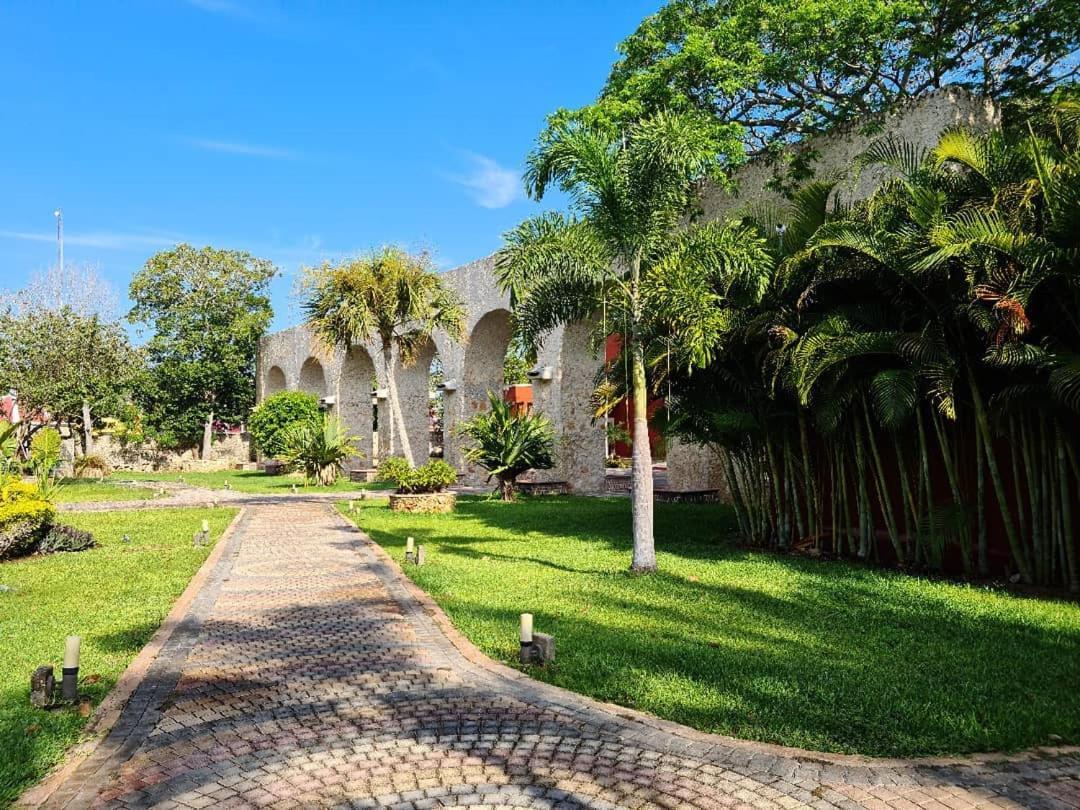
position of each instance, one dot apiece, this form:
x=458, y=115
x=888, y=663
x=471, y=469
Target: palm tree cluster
x=906, y=386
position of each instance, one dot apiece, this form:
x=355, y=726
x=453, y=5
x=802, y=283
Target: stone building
x=294, y=359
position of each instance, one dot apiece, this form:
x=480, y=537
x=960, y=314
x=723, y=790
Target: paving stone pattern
x=307, y=674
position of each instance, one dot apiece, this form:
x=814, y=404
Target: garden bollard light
x=69, y=683
x=525, y=633
x=410, y=549
x=294, y=489
x=227, y=484
x=352, y=506
x=206, y=527
x=421, y=555
x=126, y=539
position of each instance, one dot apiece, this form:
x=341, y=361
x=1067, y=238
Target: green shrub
x=24, y=515
x=278, y=414
x=393, y=469
x=435, y=476
x=59, y=537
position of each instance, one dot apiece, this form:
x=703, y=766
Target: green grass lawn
x=114, y=596
x=254, y=482
x=84, y=490
x=826, y=656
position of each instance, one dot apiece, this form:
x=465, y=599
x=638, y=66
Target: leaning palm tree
x=389, y=295
x=628, y=258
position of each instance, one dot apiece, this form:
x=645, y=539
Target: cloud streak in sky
x=241, y=148
x=489, y=184
x=105, y=240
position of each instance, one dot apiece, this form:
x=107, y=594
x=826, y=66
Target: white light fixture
x=382, y=393
x=544, y=373
x=449, y=386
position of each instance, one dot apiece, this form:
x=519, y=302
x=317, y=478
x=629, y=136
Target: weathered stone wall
x=225, y=451
x=294, y=359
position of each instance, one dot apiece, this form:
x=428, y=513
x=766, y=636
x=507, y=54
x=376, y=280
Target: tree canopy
x=206, y=310
x=764, y=73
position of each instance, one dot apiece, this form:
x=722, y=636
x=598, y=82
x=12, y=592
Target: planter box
x=428, y=503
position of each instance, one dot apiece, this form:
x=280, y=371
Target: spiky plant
x=507, y=443
x=319, y=447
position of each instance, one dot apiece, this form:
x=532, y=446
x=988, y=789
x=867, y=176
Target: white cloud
x=489, y=184
x=239, y=148
x=221, y=7
x=108, y=240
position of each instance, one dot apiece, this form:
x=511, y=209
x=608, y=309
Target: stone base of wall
x=429, y=503
x=696, y=468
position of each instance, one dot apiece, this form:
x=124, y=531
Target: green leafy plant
x=275, y=416
x=320, y=447
x=393, y=469
x=435, y=476
x=60, y=537
x=506, y=443
x=44, y=459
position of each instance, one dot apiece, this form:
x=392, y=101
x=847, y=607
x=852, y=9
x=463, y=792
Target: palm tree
x=319, y=447
x=628, y=254
x=389, y=295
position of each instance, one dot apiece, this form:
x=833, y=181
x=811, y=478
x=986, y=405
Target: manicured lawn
x=825, y=656
x=83, y=490
x=114, y=596
x=252, y=481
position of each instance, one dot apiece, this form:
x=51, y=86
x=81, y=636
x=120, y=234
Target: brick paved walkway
x=308, y=674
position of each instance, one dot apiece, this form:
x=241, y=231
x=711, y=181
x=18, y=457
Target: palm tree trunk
x=397, y=420
x=644, y=557
x=207, y=436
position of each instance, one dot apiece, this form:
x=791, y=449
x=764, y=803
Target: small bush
x=319, y=447
x=59, y=538
x=435, y=476
x=393, y=469
x=276, y=416
x=92, y=466
x=24, y=515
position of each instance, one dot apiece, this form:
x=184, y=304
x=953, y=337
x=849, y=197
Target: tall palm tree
x=389, y=295
x=627, y=251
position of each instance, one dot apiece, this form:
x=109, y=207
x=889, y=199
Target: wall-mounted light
x=543, y=373
x=382, y=393
x=327, y=402
x=449, y=386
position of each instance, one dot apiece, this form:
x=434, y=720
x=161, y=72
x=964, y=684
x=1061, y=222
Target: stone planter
x=428, y=503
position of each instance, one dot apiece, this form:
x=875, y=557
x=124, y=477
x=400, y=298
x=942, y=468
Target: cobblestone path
x=308, y=674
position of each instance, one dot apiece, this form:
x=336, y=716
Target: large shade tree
x=627, y=258
x=205, y=309
x=762, y=73
x=390, y=296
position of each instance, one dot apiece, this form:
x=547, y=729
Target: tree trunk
x=88, y=430
x=207, y=436
x=397, y=420
x=644, y=558
x=506, y=488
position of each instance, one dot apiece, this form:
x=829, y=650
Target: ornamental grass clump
x=435, y=476
x=507, y=443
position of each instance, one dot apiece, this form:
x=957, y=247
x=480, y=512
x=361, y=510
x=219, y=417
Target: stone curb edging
x=112, y=706
x=561, y=695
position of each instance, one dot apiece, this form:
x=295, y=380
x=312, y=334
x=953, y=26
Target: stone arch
x=482, y=371
x=581, y=448
x=313, y=378
x=275, y=381
x=354, y=402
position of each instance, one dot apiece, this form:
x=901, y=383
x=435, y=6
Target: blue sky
x=296, y=131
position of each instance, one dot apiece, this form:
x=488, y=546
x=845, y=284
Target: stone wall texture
x=294, y=359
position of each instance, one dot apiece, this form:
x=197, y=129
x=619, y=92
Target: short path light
x=69, y=683
x=352, y=506
x=421, y=555
x=536, y=648
x=410, y=550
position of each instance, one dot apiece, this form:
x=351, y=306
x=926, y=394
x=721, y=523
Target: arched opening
x=354, y=402
x=485, y=357
x=275, y=381
x=582, y=445
x=436, y=408
x=312, y=377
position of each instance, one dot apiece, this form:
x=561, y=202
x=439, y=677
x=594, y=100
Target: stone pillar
x=693, y=467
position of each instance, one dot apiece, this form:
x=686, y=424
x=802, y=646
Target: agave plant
x=506, y=443
x=320, y=447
